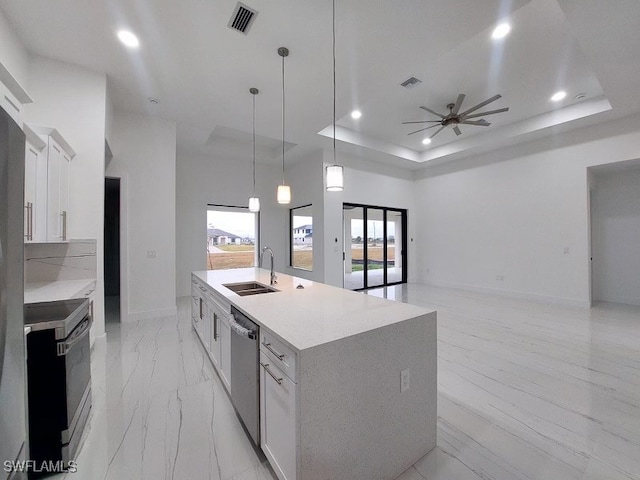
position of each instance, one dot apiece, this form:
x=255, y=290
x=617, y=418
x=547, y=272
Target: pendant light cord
x=283, y=120
x=254, y=145
x=334, y=82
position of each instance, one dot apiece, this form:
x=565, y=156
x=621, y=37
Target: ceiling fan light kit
x=454, y=118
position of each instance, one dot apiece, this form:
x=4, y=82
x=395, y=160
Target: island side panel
x=354, y=421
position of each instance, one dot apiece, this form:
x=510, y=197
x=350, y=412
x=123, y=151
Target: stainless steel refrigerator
x=12, y=356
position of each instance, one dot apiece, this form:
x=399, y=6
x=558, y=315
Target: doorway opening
x=232, y=237
x=112, y=250
x=375, y=240
x=614, y=220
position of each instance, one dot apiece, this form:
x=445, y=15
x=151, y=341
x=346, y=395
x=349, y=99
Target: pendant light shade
x=284, y=191
x=284, y=194
x=335, y=172
x=335, y=178
x=254, y=202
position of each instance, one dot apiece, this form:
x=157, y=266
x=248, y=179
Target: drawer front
x=279, y=354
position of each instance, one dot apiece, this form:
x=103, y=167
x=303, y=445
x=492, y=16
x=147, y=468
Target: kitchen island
x=349, y=388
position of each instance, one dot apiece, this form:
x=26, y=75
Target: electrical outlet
x=405, y=380
x=151, y=254
x=500, y=278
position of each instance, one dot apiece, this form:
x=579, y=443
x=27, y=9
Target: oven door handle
x=78, y=333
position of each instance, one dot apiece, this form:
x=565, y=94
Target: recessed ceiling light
x=129, y=39
x=501, y=31
x=426, y=141
x=356, y=114
x=556, y=97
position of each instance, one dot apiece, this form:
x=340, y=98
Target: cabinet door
x=30, y=186
x=214, y=344
x=278, y=419
x=225, y=350
x=54, y=224
x=65, y=168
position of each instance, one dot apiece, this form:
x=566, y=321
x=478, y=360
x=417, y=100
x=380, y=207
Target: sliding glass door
x=375, y=246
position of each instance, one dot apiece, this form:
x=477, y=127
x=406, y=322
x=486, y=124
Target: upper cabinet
x=47, y=173
x=12, y=96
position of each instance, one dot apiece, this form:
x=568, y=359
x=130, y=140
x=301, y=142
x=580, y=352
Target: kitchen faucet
x=273, y=277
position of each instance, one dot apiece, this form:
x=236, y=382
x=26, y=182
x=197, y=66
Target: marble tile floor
x=525, y=391
x=531, y=391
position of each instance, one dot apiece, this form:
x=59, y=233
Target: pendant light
x=284, y=191
x=254, y=202
x=335, y=172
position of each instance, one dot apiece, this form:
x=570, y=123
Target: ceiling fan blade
x=458, y=104
x=422, y=129
x=481, y=104
x=433, y=112
x=477, y=123
x=457, y=130
x=423, y=121
x=438, y=131
x=476, y=115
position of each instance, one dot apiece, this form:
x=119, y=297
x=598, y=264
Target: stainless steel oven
x=58, y=377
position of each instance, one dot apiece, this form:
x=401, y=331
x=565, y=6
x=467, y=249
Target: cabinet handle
x=64, y=225
x=215, y=327
x=268, y=347
x=29, y=208
x=266, y=367
x=200, y=308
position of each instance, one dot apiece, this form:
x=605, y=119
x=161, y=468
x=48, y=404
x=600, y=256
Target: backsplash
x=47, y=262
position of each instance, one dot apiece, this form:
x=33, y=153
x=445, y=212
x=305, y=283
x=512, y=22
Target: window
x=231, y=237
x=302, y=237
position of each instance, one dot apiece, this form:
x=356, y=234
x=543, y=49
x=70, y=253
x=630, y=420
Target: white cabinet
x=35, y=187
x=220, y=347
x=214, y=339
x=210, y=314
x=225, y=351
x=47, y=172
x=277, y=418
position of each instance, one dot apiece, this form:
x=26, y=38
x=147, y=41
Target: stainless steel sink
x=249, y=288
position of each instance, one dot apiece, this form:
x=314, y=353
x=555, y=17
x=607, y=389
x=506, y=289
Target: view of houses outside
x=231, y=239
x=302, y=238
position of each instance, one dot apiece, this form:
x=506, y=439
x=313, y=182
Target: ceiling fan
x=454, y=118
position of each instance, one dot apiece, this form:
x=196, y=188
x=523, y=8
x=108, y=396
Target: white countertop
x=57, y=290
x=312, y=316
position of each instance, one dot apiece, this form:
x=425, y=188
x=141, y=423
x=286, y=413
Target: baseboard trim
x=535, y=297
x=145, y=315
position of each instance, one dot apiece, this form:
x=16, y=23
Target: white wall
x=202, y=180
x=144, y=157
x=307, y=188
x=72, y=99
x=615, y=213
x=367, y=183
x=13, y=55
x=516, y=217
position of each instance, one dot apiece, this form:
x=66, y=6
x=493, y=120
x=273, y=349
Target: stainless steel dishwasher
x=245, y=375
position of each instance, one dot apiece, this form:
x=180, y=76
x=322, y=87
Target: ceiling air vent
x=411, y=82
x=242, y=18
